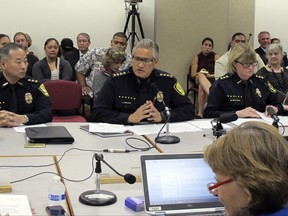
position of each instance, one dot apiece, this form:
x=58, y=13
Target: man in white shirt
x=221, y=63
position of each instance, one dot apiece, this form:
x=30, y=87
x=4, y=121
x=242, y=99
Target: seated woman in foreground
x=202, y=70
x=250, y=164
x=241, y=91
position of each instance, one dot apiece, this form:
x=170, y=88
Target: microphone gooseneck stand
x=102, y=197
x=167, y=138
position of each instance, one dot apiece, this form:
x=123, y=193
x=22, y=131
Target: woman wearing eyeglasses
x=240, y=91
x=275, y=73
x=250, y=164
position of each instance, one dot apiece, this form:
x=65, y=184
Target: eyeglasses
x=145, y=61
x=247, y=65
x=214, y=185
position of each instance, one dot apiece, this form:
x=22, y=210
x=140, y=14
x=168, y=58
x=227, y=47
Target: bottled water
x=56, y=192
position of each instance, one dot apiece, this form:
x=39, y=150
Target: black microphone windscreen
x=228, y=117
x=271, y=111
x=129, y=178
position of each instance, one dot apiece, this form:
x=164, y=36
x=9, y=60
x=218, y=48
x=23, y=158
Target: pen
x=116, y=150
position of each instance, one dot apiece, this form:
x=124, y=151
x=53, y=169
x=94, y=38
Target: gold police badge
x=28, y=98
x=258, y=92
x=179, y=89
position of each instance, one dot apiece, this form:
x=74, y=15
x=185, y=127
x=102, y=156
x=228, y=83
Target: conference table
x=76, y=162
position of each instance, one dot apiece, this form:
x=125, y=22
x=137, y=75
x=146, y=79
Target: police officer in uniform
x=241, y=92
x=141, y=92
x=22, y=99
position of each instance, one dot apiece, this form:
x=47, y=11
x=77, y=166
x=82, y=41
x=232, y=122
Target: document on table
x=105, y=128
x=21, y=129
x=205, y=124
x=14, y=205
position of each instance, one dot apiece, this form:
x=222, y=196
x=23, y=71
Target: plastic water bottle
x=56, y=192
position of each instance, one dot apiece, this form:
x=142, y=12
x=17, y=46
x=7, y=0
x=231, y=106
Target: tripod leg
x=126, y=24
x=140, y=26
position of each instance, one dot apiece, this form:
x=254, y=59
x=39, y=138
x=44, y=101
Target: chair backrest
x=65, y=95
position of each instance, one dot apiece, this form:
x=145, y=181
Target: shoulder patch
x=119, y=74
x=179, y=88
x=43, y=90
x=271, y=88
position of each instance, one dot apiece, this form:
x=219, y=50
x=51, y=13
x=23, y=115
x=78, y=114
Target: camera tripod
x=133, y=12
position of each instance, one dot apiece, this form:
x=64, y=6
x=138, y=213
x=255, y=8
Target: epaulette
x=163, y=74
x=225, y=76
x=119, y=74
x=33, y=80
x=259, y=76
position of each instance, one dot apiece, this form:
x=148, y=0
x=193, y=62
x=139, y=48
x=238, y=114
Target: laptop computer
x=176, y=184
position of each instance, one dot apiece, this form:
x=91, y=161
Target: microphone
x=102, y=197
x=227, y=117
x=274, y=116
x=167, y=138
x=217, y=127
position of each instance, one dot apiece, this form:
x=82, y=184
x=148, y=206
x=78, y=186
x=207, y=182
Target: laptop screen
x=177, y=182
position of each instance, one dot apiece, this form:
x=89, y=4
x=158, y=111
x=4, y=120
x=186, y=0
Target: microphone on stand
x=217, y=127
x=102, y=197
x=167, y=138
x=274, y=116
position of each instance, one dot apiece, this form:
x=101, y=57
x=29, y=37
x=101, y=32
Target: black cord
x=71, y=180
x=138, y=148
x=167, y=120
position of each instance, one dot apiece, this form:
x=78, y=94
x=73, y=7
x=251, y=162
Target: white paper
x=21, y=129
x=205, y=124
x=106, y=128
x=179, y=127
x=15, y=205
x=144, y=129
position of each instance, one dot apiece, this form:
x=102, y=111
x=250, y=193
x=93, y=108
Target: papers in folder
x=14, y=205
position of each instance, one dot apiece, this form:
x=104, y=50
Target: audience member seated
x=264, y=39
x=66, y=47
x=250, y=164
x=23, y=100
x=202, y=70
x=141, y=92
x=285, y=59
x=91, y=63
x=20, y=38
x=4, y=39
x=241, y=91
x=274, y=73
x=52, y=67
x=221, y=66
x=83, y=43
x=111, y=62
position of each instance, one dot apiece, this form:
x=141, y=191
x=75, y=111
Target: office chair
x=191, y=86
x=66, y=97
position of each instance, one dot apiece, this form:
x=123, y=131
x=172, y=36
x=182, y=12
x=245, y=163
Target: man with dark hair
x=90, y=63
x=221, y=63
x=20, y=38
x=22, y=100
x=4, y=39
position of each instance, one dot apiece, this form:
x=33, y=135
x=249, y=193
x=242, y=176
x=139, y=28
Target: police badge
x=28, y=98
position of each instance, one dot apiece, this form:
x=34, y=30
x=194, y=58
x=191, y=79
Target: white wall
x=42, y=19
x=272, y=16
